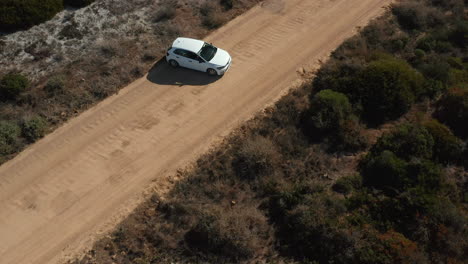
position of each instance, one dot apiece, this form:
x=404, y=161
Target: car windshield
x=208, y=51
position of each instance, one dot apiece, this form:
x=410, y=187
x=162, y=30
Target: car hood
x=221, y=57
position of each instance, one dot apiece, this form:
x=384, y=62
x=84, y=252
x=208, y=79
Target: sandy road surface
x=63, y=191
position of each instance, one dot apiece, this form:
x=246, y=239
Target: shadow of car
x=163, y=73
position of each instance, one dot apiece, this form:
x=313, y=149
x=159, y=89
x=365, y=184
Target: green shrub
x=452, y=110
x=55, y=85
x=385, y=171
x=12, y=85
x=447, y=148
x=436, y=70
x=78, y=3
x=9, y=133
x=382, y=91
x=345, y=185
x=424, y=175
x=406, y=141
x=34, y=128
x=459, y=35
x=419, y=53
x=388, y=88
x=410, y=15
x=20, y=14
x=328, y=110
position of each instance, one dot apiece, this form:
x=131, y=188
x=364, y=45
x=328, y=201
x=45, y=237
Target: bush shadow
x=163, y=73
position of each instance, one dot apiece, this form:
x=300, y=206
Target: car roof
x=193, y=45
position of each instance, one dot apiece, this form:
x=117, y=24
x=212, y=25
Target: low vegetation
x=22, y=14
x=364, y=164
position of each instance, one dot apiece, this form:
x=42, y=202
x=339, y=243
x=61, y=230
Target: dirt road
x=76, y=183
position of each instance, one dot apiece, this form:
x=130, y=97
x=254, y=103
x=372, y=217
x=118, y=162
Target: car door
x=182, y=57
x=195, y=61
x=200, y=64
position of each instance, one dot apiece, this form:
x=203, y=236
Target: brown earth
x=71, y=187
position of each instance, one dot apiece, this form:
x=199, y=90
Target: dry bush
x=164, y=13
x=256, y=157
x=237, y=233
x=211, y=15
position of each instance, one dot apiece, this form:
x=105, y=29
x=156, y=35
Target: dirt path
x=64, y=191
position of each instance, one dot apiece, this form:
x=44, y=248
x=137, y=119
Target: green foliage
x=33, y=128
x=406, y=141
x=399, y=161
x=459, y=35
x=328, y=110
x=452, y=110
x=20, y=14
x=447, y=148
x=78, y=3
x=55, y=85
x=9, y=133
x=411, y=15
x=330, y=116
x=12, y=85
x=388, y=88
x=385, y=171
x=382, y=91
x=345, y=185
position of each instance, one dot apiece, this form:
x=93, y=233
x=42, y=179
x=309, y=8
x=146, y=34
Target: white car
x=198, y=55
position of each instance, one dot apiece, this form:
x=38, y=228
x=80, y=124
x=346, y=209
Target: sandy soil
x=71, y=187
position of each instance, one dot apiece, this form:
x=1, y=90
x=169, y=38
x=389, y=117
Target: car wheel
x=174, y=63
x=211, y=72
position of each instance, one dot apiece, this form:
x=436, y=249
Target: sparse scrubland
x=366, y=163
x=54, y=70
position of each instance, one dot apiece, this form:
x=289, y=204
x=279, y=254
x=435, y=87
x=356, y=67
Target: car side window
x=180, y=52
x=192, y=55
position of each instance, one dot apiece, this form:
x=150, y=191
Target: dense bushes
x=405, y=158
x=452, y=110
x=77, y=3
x=328, y=111
x=406, y=141
x=331, y=115
x=388, y=88
x=9, y=133
x=12, y=85
x=20, y=14
x=33, y=128
x=447, y=148
x=382, y=91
